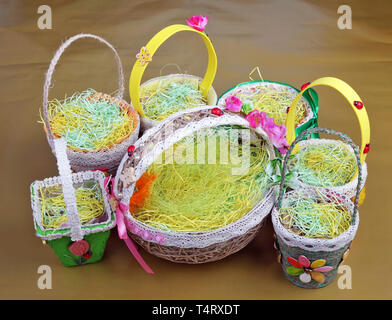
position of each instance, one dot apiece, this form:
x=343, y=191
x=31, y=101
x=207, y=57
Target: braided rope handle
x=353, y=99
x=65, y=172
x=152, y=46
x=307, y=133
x=52, y=66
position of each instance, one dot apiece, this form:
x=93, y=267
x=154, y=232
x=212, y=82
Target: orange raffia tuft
x=143, y=186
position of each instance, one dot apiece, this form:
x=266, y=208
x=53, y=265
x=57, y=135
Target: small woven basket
x=311, y=253
x=89, y=239
x=82, y=160
x=309, y=101
x=348, y=189
x=188, y=247
x=145, y=56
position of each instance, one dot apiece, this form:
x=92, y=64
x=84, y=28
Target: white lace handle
x=52, y=66
x=64, y=167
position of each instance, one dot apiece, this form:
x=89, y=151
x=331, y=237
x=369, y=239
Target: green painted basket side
x=97, y=242
x=333, y=259
x=311, y=97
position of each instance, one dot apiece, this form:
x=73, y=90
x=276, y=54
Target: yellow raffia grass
x=202, y=197
x=90, y=121
x=325, y=165
x=312, y=218
x=272, y=101
x=164, y=97
x=89, y=202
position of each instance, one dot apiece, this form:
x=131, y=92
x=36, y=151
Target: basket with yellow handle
x=314, y=227
x=162, y=96
x=327, y=164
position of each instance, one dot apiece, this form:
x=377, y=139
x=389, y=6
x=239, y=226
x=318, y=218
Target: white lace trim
x=60, y=146
x=207, y=238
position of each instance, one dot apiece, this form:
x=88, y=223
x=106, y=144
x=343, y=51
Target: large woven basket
x=188, y=247
x=304, y=252
x=82, y=160
x=309, y=101
x=348, y=189
x=205, y=84
x=91, y=236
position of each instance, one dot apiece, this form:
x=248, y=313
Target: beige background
x=292, y=41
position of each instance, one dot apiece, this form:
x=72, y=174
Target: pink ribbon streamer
x=122, y=229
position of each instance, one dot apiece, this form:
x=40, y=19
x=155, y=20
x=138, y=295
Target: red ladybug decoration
x=358, y=105
x=217, y=111
x=131, y=149
x=367, y=148
x=305, y=85
x=87, y=255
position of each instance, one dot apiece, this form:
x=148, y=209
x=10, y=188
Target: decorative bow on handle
x=119, y=210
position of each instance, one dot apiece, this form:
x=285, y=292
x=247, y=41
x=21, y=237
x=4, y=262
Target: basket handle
x=350, y=95
x=152, y=46
x=64, y=167
x=305, y=134
x=52, y=66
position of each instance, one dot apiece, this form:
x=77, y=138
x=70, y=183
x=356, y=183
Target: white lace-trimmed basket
x=82, y=160
x=348, y=189
x=308, y=102
x=91, y=237
x=145, y=57
x=188, y=247
x=291, y=246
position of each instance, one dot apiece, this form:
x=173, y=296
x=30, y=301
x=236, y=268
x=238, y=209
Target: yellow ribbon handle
x=152, y=46
x=353, y=99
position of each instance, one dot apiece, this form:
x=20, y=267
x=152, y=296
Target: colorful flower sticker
x=307, y=271
x=144, y=56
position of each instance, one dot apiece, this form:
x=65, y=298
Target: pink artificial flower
x=255, y=118
x=277, y=134
x=233, y=104
x=197, y=22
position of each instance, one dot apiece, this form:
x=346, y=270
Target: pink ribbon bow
x=121, y=226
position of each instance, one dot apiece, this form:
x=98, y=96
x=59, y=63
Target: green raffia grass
x=314, y=218
x=163, y=97
x=90, y=120
x=325, y=165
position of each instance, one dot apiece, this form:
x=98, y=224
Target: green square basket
x=74, y=243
